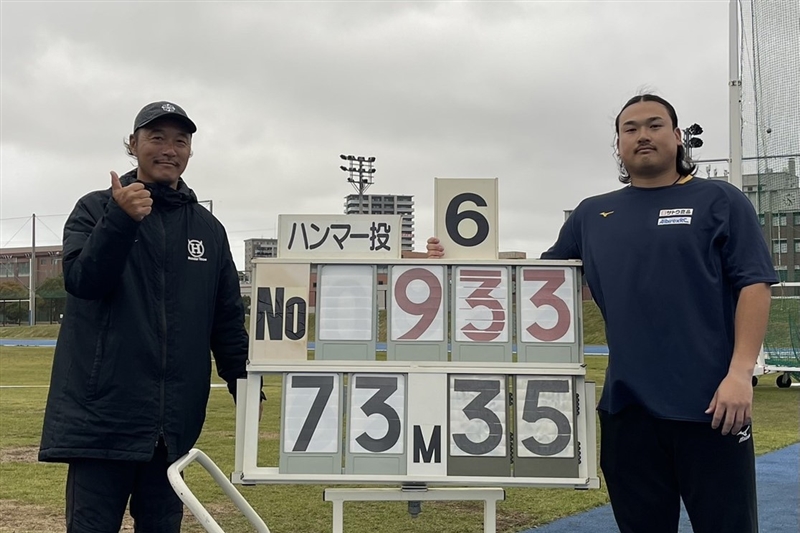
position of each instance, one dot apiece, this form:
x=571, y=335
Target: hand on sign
x=134, y=199
x=732, y=403
x=435, y=249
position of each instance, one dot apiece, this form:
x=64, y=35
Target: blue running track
x=778, y=482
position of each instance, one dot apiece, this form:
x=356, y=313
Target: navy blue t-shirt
x=665, y=265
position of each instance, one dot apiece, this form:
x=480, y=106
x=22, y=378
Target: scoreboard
x=461, y=371
x=482, y=383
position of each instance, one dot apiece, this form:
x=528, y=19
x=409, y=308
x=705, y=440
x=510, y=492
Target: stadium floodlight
x=691, y=139
x=695, y=142
x=359, y=173
x=695, y=129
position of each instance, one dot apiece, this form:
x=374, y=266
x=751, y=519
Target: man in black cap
x=152, y=289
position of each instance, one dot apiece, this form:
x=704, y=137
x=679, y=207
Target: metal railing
x=194, y=505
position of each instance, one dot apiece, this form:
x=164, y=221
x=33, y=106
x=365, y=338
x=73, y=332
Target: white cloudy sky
x=526, y=92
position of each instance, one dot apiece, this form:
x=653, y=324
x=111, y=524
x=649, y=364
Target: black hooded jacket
x=148, y=302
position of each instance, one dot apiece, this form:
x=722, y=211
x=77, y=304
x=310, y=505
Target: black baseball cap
x=156, y=110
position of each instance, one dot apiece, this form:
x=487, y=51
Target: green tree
x=51, y=298
x=12, y=308
x=12, y=290
x=52, y=288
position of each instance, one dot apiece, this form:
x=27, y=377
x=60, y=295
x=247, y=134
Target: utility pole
x=734, y=96
x=32, y=274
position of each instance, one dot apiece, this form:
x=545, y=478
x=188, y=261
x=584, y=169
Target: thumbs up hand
x=134, y=199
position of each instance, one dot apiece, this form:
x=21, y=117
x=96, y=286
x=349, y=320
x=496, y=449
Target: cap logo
x=169, y=108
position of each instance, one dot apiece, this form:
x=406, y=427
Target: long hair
x=683, y=164
x=127, y=146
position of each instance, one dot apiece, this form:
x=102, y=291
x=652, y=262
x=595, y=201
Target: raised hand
x=134, y=199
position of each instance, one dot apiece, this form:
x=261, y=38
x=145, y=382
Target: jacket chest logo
x=196, y=250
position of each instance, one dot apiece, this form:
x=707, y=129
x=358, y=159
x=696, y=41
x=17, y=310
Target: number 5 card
x=465, y=214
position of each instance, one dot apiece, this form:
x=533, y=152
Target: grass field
x=783, y=329
x=32, y=500
x=593, y=329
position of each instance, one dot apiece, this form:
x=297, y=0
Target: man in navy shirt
x=682, y=275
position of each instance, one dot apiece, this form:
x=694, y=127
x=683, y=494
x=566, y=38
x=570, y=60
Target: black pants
x=649, y=464
x=98, y=491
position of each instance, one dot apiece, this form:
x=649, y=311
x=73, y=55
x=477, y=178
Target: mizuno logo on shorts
x=744, y=434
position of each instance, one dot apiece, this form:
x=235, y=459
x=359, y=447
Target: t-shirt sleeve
x=745, y=256
x=566, y=246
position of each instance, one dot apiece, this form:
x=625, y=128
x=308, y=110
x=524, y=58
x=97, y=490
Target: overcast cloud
x=526, y=92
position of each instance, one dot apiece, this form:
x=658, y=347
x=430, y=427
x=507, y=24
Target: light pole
x=360, y=171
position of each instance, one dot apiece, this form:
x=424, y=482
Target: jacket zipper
x=163, y=336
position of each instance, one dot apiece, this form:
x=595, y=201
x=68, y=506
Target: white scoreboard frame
x=583, y=423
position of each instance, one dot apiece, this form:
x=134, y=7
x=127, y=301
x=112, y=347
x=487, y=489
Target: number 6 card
x=465, y=214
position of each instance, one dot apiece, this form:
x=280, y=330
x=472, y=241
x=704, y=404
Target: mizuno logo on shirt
x=605, y=214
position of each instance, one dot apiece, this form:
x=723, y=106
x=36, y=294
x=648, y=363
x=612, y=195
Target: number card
x=427, y=427
x=340, y=236
x=417, y=318
x=548, y=315
x=310, y=419
x=478, y=429
x=465, y=211
x=346, y=312
x=376, y=433
x=545, y=435
x=477, y=415
x=280, y=304
x=481, y=314
x=544, y=425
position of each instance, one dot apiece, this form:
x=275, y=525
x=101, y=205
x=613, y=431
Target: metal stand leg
x=338, y=516
x=489, y=496
x=490, y=516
